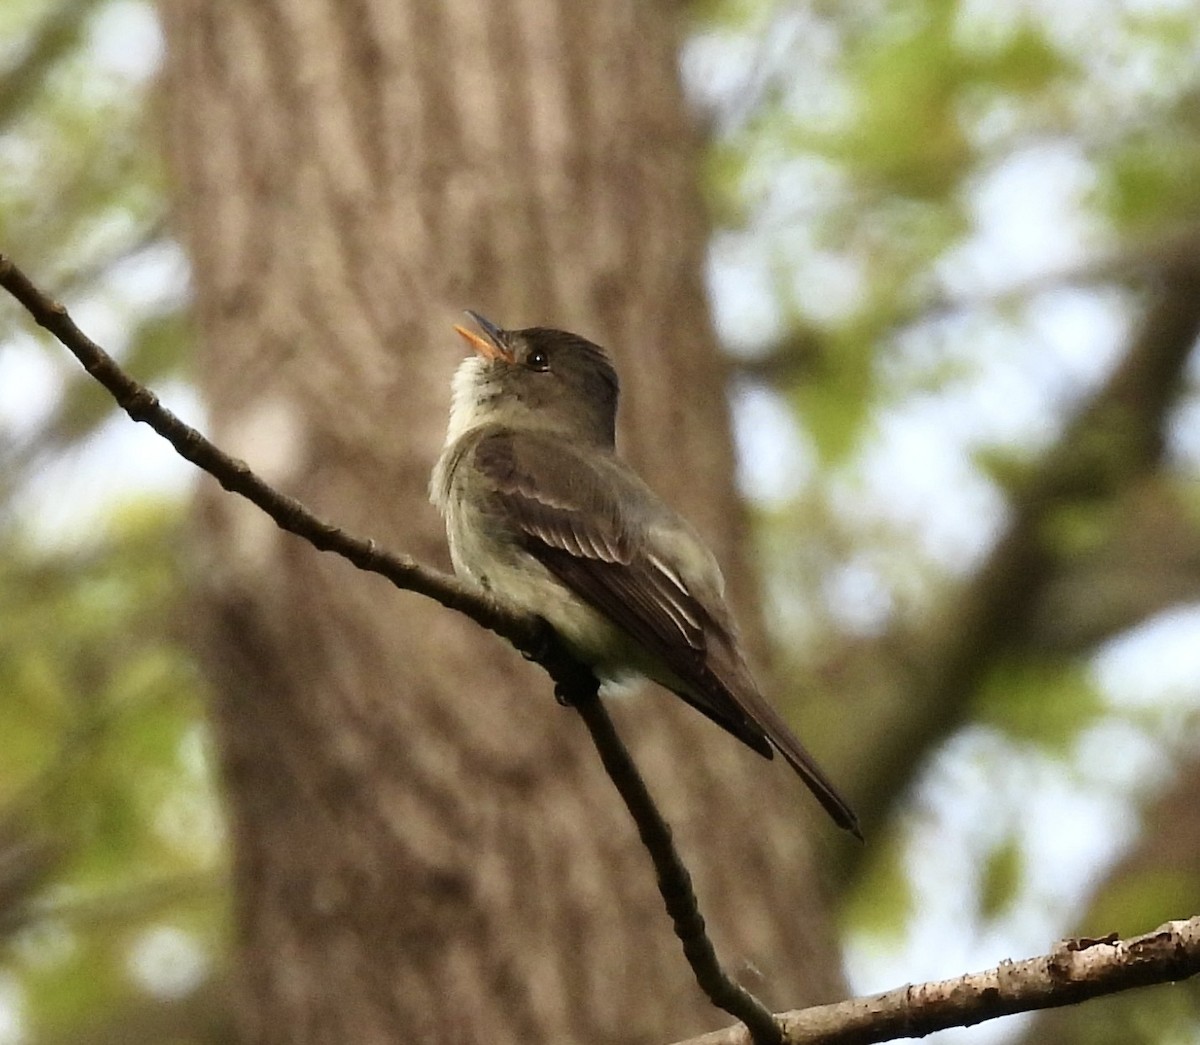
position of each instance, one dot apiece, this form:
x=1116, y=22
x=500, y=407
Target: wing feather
x=571, y=522
x=569, y=519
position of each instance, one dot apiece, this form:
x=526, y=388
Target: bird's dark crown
x=564, y=350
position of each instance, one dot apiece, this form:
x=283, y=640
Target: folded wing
x=587, y=527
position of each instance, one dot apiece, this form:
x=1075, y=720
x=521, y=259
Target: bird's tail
x=764, y=730
x=796, y=755
x=729, y=696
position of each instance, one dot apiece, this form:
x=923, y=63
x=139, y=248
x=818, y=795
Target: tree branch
x=674, y=882
x=1114, y=440
x=235, y=476
x=803, y=347
x=575, y=684
x=1074, y=971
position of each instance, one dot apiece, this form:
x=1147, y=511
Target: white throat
x=465, y=413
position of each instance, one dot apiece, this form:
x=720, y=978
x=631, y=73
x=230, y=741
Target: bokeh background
x=955, y=268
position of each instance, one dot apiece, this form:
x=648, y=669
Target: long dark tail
x=759, y=726
x=725, y=691
x=796, y=755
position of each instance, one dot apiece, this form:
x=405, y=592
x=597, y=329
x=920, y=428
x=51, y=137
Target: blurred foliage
x=1039, y=700
x=947, y=221
x=106, y=761
x=1003, y=874
x=884, y=902
x=1163, y=1015
x=944, y=219
x=1138, y=900
x=112, y=852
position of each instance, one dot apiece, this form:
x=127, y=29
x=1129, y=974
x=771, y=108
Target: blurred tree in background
x=422, y=849
x=955, y=270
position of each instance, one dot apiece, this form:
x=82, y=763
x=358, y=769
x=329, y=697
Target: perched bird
x=542, y=513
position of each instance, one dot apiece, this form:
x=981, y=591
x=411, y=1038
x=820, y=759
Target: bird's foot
x=571, y=677
x=544, y=646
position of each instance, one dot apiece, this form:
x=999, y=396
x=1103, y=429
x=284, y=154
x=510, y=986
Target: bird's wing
x=573, y=519
x=570, y=518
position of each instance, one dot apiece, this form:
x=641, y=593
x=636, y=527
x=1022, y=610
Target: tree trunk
x=425, y=846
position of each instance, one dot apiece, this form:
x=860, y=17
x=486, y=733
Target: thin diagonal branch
x=674, y=882
x=802, y=349
x=235, y=476
x=574, y=683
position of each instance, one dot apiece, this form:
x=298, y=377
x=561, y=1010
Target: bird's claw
x=543, y=645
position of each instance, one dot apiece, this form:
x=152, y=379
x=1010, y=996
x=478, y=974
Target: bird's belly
x=514, y=576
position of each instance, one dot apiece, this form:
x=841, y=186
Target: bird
x=543, y=515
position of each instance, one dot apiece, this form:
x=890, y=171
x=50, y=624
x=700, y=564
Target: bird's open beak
x=490, y=346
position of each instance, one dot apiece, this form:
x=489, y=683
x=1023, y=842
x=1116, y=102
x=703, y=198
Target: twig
x=289, y=514
x=574, y=683
x=580, y=690
x=1074, y=971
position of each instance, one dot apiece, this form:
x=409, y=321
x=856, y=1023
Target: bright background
x=936, y=227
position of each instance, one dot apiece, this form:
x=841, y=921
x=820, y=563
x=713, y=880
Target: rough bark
x=425, y=847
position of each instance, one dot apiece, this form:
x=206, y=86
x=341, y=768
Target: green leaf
x=882, y=903
x=1001, y=879
x=1045, y=702
x=1154, y=179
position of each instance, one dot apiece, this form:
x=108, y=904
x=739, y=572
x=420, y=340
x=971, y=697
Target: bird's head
x=538, y=378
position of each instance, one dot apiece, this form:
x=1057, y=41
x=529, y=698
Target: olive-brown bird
x=542, y=513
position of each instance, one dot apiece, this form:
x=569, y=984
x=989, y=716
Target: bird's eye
x=538, y=360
